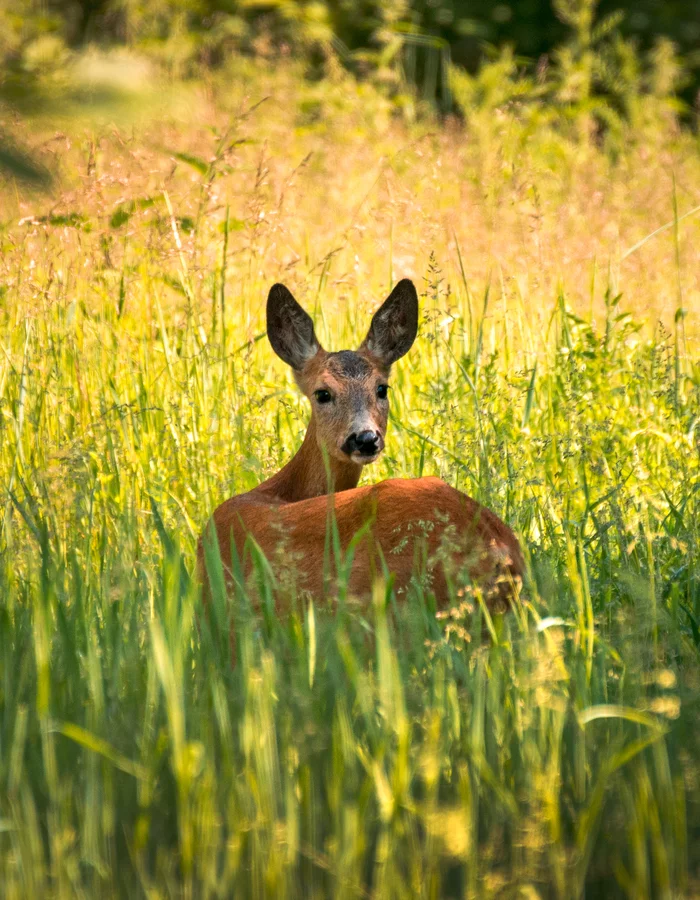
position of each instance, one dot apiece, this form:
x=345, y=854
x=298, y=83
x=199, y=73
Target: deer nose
x=366, y=443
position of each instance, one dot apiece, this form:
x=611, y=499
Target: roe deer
x=408, y=520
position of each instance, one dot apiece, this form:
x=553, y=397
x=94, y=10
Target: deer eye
x=323, y=396
x=382, y=391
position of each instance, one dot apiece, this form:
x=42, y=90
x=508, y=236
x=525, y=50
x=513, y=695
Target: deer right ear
x=394, y=325
x=289, y=328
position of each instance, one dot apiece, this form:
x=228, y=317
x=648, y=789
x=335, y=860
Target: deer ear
x=394, y=325
x=289, y=328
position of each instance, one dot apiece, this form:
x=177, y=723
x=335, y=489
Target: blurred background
x=600, y=55
x=366, y=35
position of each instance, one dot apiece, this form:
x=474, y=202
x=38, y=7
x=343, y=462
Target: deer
x=395, y=527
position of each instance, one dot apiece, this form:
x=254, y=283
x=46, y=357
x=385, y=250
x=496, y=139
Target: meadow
x=374, y=749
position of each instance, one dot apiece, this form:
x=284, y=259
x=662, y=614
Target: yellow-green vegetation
x=353, y=750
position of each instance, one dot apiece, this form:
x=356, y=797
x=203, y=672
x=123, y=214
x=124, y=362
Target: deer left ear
x=290, y=329
x=394, y=325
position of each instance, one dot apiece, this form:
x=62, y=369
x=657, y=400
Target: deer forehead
x=347, y=364
x=345, y=370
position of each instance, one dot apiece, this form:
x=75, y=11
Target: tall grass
x=353, y=750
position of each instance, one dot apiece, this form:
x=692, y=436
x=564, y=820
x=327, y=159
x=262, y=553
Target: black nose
x=365, y=443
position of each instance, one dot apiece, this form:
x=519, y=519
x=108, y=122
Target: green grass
x=354, y=750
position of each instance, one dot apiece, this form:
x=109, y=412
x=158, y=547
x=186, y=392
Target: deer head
x=348, y=389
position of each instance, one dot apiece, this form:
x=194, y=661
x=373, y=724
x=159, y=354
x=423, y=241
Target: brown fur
x=409, y=519
x=407, y=516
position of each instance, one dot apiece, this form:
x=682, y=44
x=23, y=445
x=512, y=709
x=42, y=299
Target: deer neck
x=307, y=474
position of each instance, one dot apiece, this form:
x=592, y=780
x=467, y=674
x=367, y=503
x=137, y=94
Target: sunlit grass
x=372, y=749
